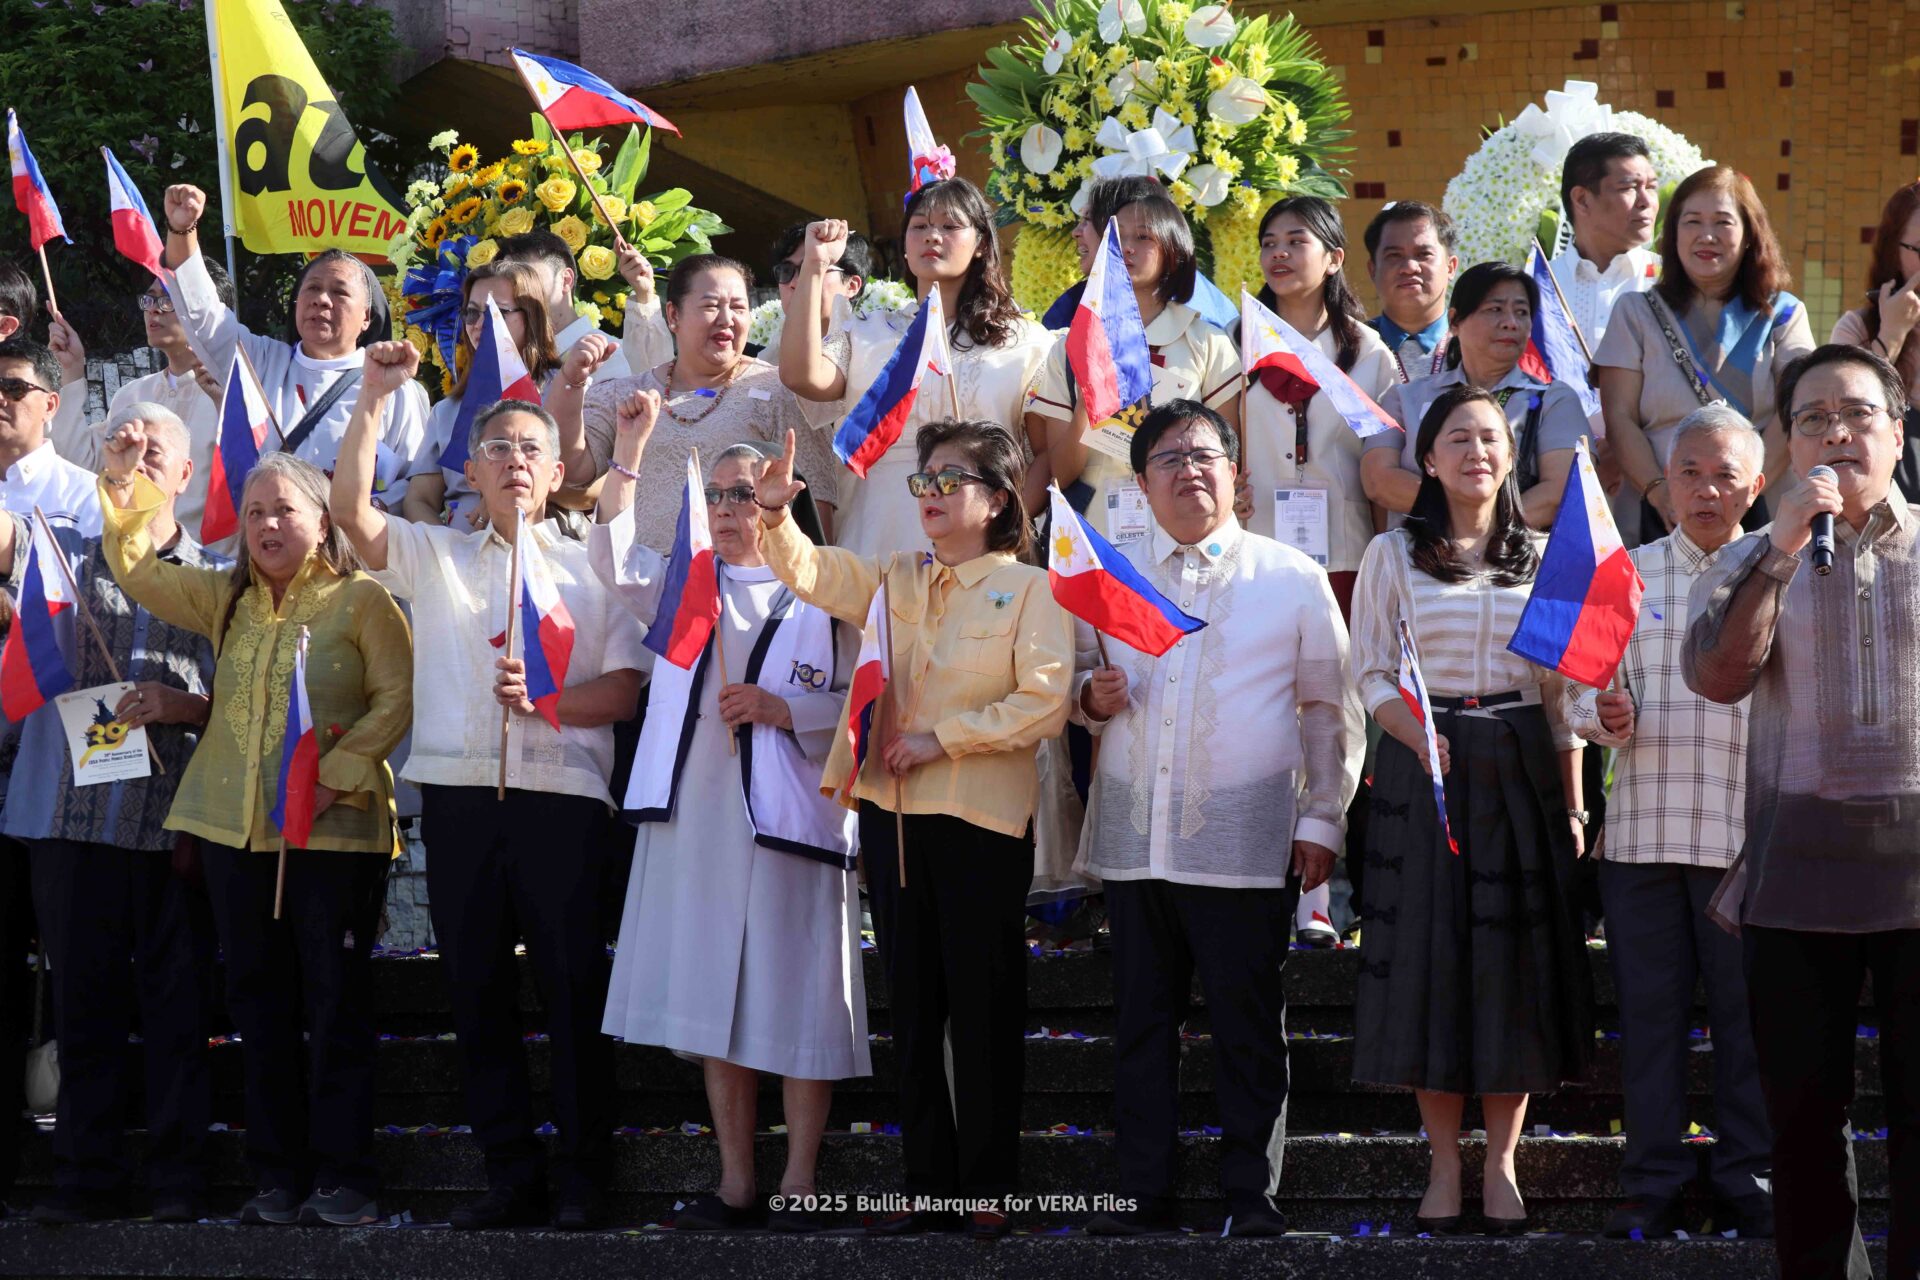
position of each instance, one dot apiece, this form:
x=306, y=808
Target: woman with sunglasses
x=948, y=236
x=442, y=494
x=981, y=658
x=712, y=395
x=740, y=942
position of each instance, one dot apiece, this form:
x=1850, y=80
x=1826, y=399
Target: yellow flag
x=293, y=177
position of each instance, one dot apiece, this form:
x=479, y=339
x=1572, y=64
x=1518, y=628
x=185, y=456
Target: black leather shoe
x=1750, y=1215
x=1253, y=1218
x=580, y=1211
x=711, y=1213
x=501, y=1207
x=1653, y=1218
x=1447, y=1226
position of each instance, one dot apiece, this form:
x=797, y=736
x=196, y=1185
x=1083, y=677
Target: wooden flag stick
x=280, y=880
x=1100, y=642
x=46, y=274
x=886, y=639
x=561, y=138
x=719, y=626
x=1573, y=324
x=513, y=613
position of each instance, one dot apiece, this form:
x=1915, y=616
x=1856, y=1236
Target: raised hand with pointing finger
x=776, y=488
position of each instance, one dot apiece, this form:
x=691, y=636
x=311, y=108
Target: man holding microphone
x=1827, y=888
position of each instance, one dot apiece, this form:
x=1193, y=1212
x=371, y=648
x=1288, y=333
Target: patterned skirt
x=1473, y=968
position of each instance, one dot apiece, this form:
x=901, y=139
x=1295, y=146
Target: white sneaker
x=1312, y=925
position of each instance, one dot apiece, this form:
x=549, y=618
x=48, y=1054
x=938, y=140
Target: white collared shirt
x=456, y=584
x=1244, y=737
x=1591, y=292
x=46, y=480
x=616, y=365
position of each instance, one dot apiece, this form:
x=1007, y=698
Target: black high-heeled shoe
x=1507, y=1226
x=1448, y=1226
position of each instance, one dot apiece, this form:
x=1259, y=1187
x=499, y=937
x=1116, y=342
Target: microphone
x=1822, y=527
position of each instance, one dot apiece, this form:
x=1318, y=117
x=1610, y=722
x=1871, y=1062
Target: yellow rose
x=516, y=222
x=556, y=193
x=596, y=260
x=644, y=213
x=589, y=161
x=482, y=253
x=418, y=337
x=616, y=209
x=573, y=231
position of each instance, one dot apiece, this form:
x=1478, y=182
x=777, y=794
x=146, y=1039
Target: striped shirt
x=1680, y=782
x=1460, y=630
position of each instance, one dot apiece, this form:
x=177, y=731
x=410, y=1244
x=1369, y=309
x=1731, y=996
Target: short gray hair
x=756, y=456
x=478, y=431
x=1720, y=419
x=159, y=420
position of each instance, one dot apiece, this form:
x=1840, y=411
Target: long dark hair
x=1763, y=265
x=986, y=313
x=1510, y=551
x=1886, y=250
x=1344, y=314
x=996, y=458
x=1471, y=288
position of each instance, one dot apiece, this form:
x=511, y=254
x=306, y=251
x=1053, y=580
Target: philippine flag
x=30, y=189
x=690, y=601
x=927, y=160
x=574, y=98
x=1553, y=351
x=871, y=673
x=244, y=419
x=1413, y=690
x=1586, y=596
x=546, y=628
x=134, y=234
x=299, y=758
x=1097, y=584
x=498, y=373
x=881, y=415
x=1271, y=348
x=32, y=667
x=1107, y=343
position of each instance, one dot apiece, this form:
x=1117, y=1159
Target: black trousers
x=309, y=1102
x=952, y=941
x=16, y=1003
x=1660, y=940
x=1805, y=992
x=530, y=867
x=1237, y=940
x=100, y=906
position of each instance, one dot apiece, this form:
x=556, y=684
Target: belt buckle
x=1882, y=812
x=1470, y=703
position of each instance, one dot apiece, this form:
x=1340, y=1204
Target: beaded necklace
x=708, y=394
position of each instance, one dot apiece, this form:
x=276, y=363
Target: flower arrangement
x=763, y=327
x=1228, y=112
x=1508, y=192
x=460, y=209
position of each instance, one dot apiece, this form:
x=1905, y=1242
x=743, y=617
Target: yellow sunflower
x=466, y=209
x=489, y=175
x=436, y=232
x=511, y=191
x=528, y=147
x=464, y=157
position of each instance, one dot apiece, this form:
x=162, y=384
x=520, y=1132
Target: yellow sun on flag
x=1063, y=548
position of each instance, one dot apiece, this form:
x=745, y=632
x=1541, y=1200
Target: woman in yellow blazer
x=982, y=656
x=311, y=1150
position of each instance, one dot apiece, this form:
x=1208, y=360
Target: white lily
x=1239, y=101
x=1057, y=49
x=1138, y=75
x=1210, y=184
x=1210, y=26
x=1122, y=17
x=1166, y=146
x=1040, y=149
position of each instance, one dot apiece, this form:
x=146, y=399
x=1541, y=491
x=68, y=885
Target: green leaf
x=670, y=199
x=541, y=133
x=626, y=166
x=670, y=226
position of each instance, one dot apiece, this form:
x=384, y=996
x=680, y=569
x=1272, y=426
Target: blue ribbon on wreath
x=433, y=294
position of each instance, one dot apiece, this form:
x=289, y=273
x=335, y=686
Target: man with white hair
x=1675, y=822
x=106, y=885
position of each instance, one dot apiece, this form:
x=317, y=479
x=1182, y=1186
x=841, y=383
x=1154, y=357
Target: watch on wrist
x=1582, y=816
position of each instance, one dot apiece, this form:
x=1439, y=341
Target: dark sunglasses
x=473, y=314
x=15, y=389
x=784, y=272
x=741, y=495
x=947, y=480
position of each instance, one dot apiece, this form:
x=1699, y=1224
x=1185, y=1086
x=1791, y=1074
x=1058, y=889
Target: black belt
x=1477, y=702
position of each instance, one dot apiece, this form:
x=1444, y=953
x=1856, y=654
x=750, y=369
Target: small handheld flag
x=546, y=628
x=1106, y=342
x=30, y=190
x=872, y=672
x=573, y=97
x=497, y=373
x=134, y=233
x=690, y=601
x=1413, y=690
x=1291, y=367
x=875, y=423
x=299, y=758
x=1586, y=596
x=244, y=419
x=1098, y=584
x=1555, y=352
x=32, y=667
x=927, y=160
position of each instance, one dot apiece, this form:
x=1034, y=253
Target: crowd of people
x=1762, y=731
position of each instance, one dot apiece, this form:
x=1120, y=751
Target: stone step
x=130, y=1249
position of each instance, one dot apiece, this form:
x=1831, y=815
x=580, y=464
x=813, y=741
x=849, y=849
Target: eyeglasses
x=15, y=389
x=1858, y=419
x=502, y=450
x=784, y=272
x=155, y=303
x=741, y=495
x=472, y=315
x=1913, y=249
x=947, y=480
x=1171, y=460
